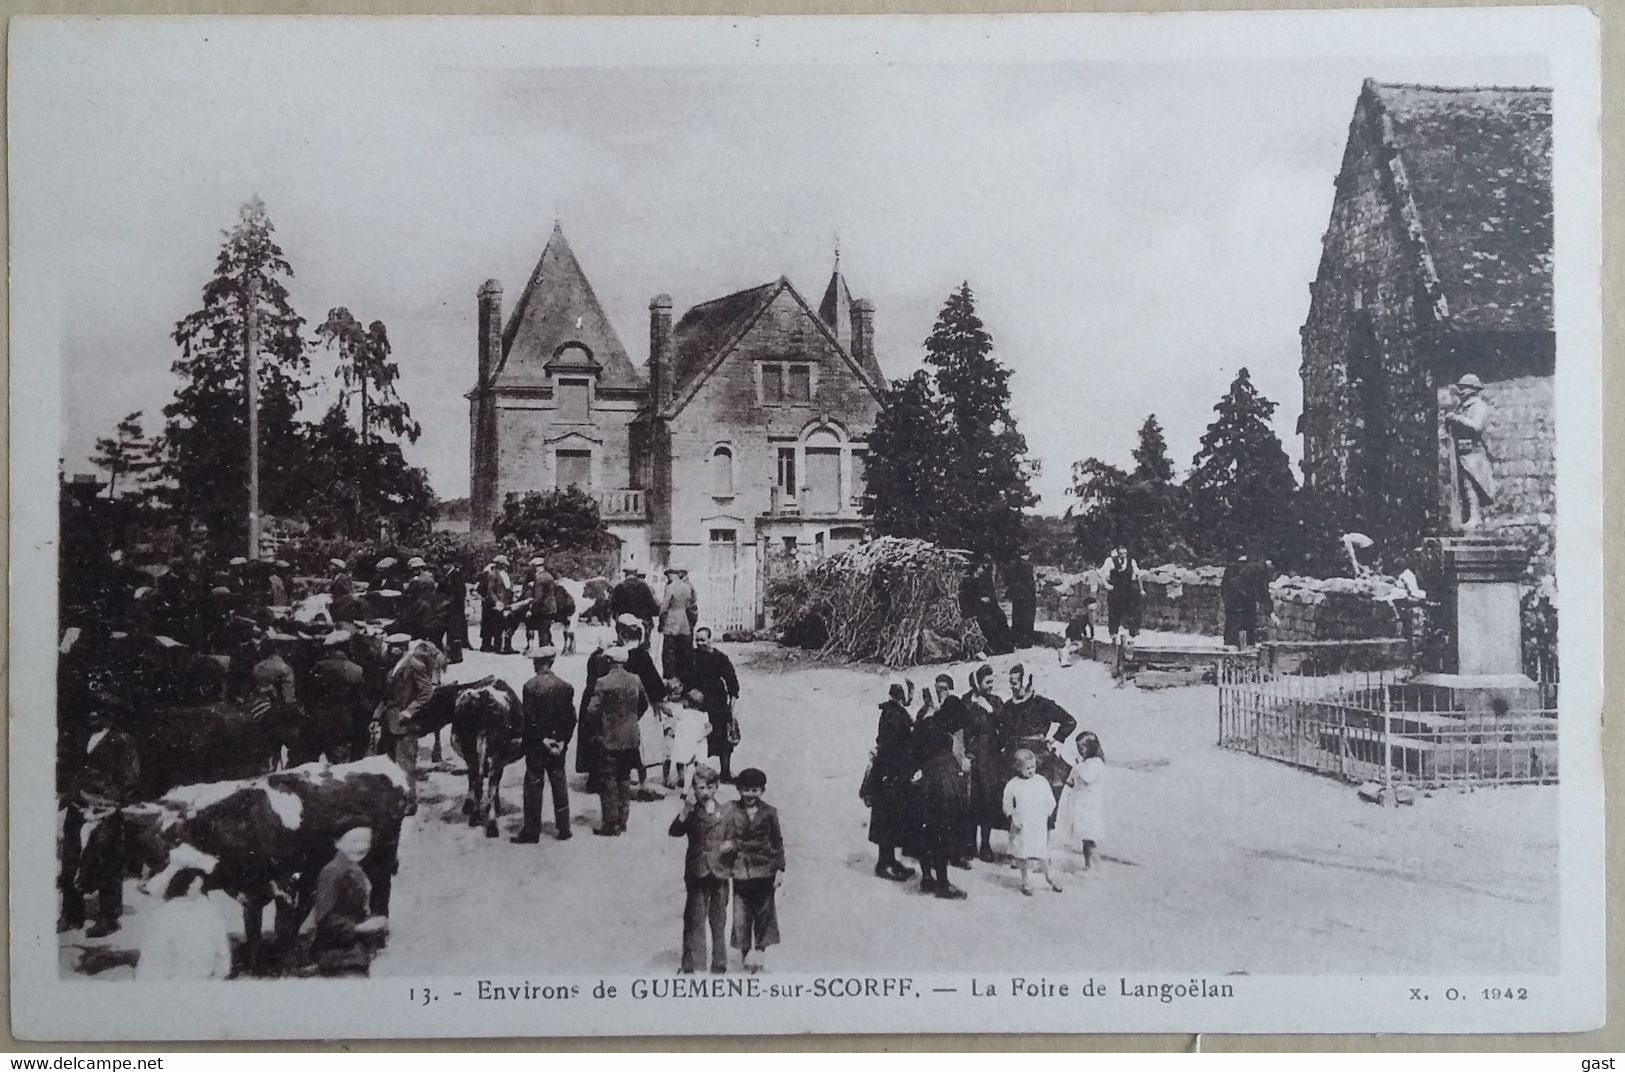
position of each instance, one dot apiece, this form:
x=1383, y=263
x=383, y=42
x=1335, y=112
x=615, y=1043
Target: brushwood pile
x=892, y=601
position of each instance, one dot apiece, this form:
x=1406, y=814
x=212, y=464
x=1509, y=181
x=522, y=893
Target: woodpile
x=892, y=601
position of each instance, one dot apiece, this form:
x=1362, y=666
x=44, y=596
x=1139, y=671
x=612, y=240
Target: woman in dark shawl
x=939, y=795
x=990, y=761
x=886, y=789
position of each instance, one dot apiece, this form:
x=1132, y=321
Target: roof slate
x=1477, y=163
x=709, y=326
x=558, y=307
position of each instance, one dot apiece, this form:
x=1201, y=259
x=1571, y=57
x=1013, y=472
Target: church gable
x=558, y=325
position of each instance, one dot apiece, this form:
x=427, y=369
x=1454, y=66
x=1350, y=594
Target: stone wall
x=529, y=432
x=1186, y=600
x=1369, y=420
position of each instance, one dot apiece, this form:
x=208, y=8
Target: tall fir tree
x=907, y=465
x=1142, y=509
x=1241, y=486
x=989, y=473
x=206, y=435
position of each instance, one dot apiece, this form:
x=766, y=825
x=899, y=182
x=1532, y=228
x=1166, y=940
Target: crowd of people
x=949, y=769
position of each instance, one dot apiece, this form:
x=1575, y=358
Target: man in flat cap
x=496, y=592
x=1464, y=423
x=618, y=702
x=547, y=704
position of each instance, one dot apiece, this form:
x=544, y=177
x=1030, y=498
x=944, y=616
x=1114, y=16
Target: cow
x=265, y=840
x=486, y=730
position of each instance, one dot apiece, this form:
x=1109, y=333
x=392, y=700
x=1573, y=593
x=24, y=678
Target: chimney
x=863, y=330
x=660, y=370
x=490, y=330
x=482, y=491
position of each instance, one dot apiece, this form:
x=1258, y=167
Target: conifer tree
x=907, y=461
x=989, y=475
x=1241, y=485
x=1151, y=461
x=206, y=436
x=126, y=453
x=367, y=373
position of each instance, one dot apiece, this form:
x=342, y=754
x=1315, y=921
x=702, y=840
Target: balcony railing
x=622, y=504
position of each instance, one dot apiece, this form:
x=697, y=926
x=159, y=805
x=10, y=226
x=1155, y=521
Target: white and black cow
x=267, y=838
x=487, y=732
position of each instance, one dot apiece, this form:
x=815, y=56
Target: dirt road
x=1216, y=862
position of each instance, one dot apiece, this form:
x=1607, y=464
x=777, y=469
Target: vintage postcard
x=532, y=527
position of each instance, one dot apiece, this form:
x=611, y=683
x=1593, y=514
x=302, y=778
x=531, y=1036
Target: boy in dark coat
x=706, y=824
x=758, y=869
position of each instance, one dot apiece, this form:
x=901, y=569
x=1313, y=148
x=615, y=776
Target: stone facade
x=744, y=434
x=1436, y=262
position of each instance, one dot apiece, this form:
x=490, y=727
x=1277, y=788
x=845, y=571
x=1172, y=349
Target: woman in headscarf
x=1039, y=725
x=886, y=789
x=989, y=758
x=939, y=794
x=959, y=720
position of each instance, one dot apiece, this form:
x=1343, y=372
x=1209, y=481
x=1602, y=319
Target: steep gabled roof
x=707, y=333
x=708, y=327
x=1474, y=178
x=557, y=308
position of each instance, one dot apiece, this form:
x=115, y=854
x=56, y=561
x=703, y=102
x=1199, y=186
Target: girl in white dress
x=1029, y=801
x=690, y=726
x=1081, y=823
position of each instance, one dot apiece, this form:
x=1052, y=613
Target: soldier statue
x=1464, y=426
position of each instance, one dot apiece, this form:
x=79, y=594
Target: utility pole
x=251, y=345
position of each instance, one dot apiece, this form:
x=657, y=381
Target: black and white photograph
x=542, y=526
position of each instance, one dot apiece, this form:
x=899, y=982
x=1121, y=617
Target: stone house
x=742, y=437
x=1437, y=262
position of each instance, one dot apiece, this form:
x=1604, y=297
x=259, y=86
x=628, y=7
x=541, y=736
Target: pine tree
x=128, y=452
x=368, y=373
x=990, y=474
x=1241, y=486
x=206, y=437
x=907, y=462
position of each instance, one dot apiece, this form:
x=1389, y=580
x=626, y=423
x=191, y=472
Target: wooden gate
x=727, y=591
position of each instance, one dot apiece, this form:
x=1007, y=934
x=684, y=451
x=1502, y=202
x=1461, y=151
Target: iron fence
x=1384, y=726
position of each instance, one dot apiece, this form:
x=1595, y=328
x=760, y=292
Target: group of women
x=935, y=785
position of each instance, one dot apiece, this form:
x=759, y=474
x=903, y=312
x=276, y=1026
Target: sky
x=1135, y=231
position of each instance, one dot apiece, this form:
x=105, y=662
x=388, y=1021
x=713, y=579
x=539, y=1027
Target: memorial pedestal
x=1483, y=660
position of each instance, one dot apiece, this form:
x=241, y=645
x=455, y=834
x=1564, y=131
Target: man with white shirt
x=1124, y=589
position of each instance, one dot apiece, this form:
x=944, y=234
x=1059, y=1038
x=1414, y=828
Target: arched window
x=722, y=471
